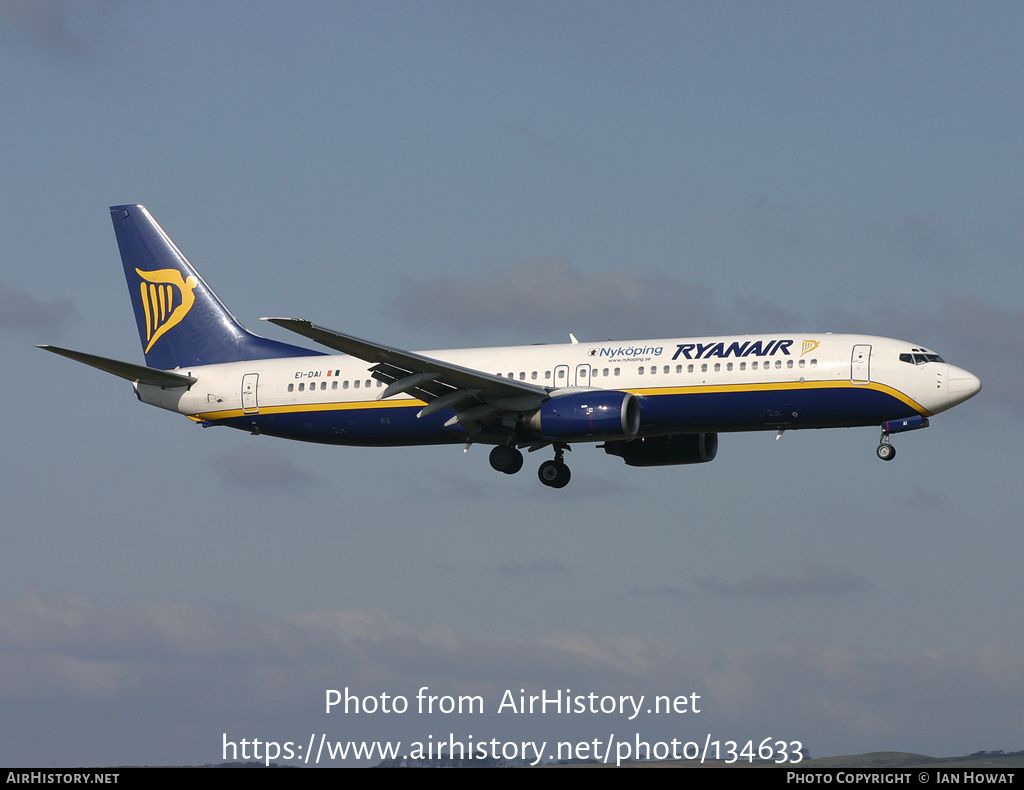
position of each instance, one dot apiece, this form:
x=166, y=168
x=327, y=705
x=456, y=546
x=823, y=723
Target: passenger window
x=617, y=371
x=641, y=370
x=689, y=368
x=533, y=375
x=728, y=366
x=291, y=387
x=356, y=383
x=344, y=384
x=789, y=363
x=814, y=363
x=743, y=366
x=778, y=364
x=703, y=367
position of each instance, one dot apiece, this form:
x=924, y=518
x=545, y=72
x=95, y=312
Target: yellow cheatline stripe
x=298, y=408
x=784, y=385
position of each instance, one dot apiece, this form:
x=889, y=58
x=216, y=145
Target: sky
x=444, y=174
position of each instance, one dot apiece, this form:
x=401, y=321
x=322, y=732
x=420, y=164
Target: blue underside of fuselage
x=660, y=415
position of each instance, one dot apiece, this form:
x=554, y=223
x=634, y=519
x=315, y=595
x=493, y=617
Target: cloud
x=550, y=297
x=264, y=469
x=919, y=496
x=810, y=580
x=65, y=28
x=662, y=591
x=21, y=311
x=533, y=570
x=162, y=681
x=970, y=333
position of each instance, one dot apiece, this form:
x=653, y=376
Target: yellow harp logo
x=166, y=300
x=807, y=346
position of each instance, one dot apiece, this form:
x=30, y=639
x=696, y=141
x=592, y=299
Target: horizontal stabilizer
x=126, y=370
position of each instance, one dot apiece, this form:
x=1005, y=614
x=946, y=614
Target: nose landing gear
x=885, y=451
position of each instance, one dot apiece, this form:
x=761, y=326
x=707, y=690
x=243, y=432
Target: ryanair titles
x=746, y=348
x=703, y=350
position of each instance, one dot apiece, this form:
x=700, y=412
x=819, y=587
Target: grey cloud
x=980, y=337
x=918, y=496
x=262, y=469
x=532, y=570
x=663, y=591
x=145, y=671
x=66, y=28
x=809, y=580
x=550, y=297
x=20, y=310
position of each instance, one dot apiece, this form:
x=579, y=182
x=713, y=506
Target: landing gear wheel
x=885, y=451
x=506, y=459
x=554, y=474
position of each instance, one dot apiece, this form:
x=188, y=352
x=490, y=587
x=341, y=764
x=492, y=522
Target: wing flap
x=477, y=398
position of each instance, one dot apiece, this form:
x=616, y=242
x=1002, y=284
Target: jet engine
x=689, y=448
x=585, y=416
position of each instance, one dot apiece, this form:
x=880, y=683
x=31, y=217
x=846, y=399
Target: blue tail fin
x=181, y=321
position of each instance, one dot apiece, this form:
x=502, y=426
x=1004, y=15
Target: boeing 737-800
x=650, y=402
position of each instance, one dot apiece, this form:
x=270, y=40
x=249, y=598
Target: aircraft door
x=249, y=403
x=561, y=376
x=860, y=364
x=583, y=375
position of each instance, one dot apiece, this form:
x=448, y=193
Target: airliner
x=649, y=402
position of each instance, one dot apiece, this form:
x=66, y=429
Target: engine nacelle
x=587, y=415
x=688, y=448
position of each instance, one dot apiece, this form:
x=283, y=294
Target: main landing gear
x=555, y=473
x=506, y=458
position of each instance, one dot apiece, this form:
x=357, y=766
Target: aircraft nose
x=962, y=385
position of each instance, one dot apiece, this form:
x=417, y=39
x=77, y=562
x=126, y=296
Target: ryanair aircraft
x=651, y=402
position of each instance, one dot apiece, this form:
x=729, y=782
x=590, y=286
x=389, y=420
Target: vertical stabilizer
x=181, y=321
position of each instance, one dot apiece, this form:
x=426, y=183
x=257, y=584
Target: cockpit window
x=920, y=358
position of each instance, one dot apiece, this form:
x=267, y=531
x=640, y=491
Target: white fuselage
x=726, y=383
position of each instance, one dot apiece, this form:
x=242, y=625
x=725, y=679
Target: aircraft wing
x=126, y=370
x=477, y=398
